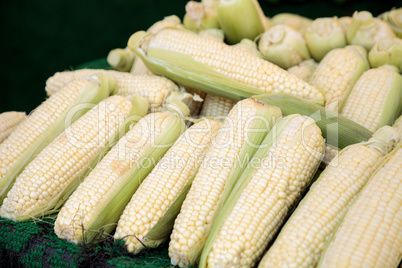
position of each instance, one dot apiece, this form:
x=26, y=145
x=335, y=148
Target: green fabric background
x=41, y=37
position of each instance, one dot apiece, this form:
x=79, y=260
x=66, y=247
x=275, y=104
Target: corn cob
x=54, y=174
x=121, y=59
x=398, y=124
x=162, y=187
x=214, y=33
x=241, y=133
x=219, y=69
x=305, y=234
x=324, y=35
x=199, y=17
x=338, y=72
x=364, y=30
x=330, y=153
x=241, y=19
x=216, y=107
x=109, y=187
x=45, y=123
x=297, y=22
x=375, y=99
x=8, y=122
x=265, y=193
x=386, y=51
x=394, y=19
x=304, y=70
x=370, y=233
x=336, y=129
x=155, y=88
x=283, y=46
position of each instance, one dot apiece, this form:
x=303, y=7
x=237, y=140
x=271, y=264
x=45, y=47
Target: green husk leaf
x=241, y=19
x=238, y=187
x=107, y=215
x=392, y=107
x=164, y=227
x=89, y=97
x=338, y=130
x=190, y=73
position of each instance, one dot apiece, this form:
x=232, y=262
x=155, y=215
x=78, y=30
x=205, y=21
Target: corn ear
x=345, y=22
x=241, y=19
x=250, y=46
x=45, y=123
x=47, y=182
x=216, y=107
x=179, y=55
x=372, y=223
x=8, y=122
x=236, y=142
x=323, y=35
x=310, y=226
x=110, y=186
x=337, y=73
x=394, y=19
x=376, y=98
x=171, y=21
x=265, y=193
x=336, y=129
x=199, y=17
x=283, y=46
x=366, y=30
x=162, y=192
x=121, y=59
x=297, y=22
x=398, y=124
x=386, y=51
x=304, y=70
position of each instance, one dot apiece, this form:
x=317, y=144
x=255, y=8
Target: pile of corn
x=210, y=133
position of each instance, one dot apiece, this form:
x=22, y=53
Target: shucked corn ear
x=100, y=199
x=394, y=19
x=8, y=122
x=370, y=233
x=365, y=30
x=216, y=107
x=324, y=35
x=45, y=123
x=212, y=66
x=46, y=182
x=336, y=129
x=277, y=175
x=303, y=238
x=283, y=46
x=386, y=51
x=241, y=19
x=152, y=202
x=236, y=142
x=154, y=88
x=304, y=70
x=376, y=98
x=338, y=72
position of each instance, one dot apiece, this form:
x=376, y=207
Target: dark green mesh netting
x=34, y=244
